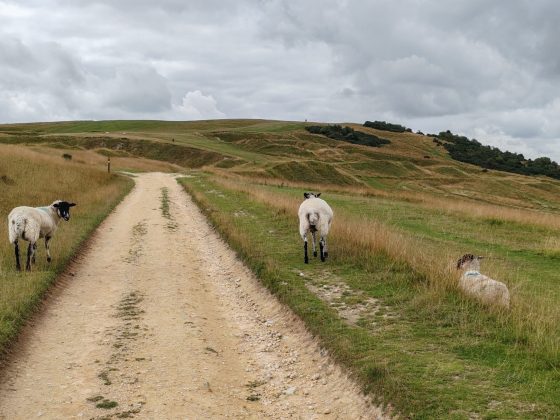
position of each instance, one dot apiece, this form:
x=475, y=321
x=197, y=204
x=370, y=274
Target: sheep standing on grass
x=33, y=223
x=483, y=288
x=315, y=215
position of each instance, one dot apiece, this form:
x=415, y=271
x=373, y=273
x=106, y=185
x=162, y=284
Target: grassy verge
x=31, y=178
x=427, y=351
x=430, y=240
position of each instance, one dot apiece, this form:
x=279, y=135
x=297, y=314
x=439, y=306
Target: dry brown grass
x=30, y=177
x=118, y=163
x=485, y=211
x=357, y=239
x=360, y=237
x=451, y=205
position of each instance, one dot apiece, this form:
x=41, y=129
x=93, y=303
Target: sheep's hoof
x=315, y=254
x=49, y=259
x=306, y=261
x=326, y=254
x=28, y=268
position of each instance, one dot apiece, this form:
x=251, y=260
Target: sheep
x=485, y=289
x=315, y=215
x=33, y=223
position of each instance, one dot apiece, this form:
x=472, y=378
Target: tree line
x=347, y=134
x=472, y=151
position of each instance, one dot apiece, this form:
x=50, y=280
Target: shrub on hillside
x=347, y=134
x=472, y=151
x=385, y=126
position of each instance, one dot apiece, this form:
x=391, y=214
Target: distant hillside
x=471, y=151
x=347, y=134
x=287, y=151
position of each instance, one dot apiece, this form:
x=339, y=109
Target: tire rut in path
x=161, y=320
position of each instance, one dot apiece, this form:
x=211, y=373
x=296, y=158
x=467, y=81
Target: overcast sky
x=485, y=69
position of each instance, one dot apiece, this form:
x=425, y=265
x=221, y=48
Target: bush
x=347, y=134
x=472, y=151
x=385, y=126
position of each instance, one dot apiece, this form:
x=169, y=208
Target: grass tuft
x=106, y=404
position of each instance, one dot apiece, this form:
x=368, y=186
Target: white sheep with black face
x=479, y=286
x=33, y=223
x=315, y=215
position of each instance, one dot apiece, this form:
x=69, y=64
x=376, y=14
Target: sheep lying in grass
x=315, y=215
x=483, y=288
x=33, y=223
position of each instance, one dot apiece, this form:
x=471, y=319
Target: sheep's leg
x=323, y=248
x=303, y=229
x=34, y=252
x=29, y=256
x=314, y=243
x=18, y=265
x=47, y=240
x=305, y=257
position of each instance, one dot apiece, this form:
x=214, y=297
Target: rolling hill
x=386, y=305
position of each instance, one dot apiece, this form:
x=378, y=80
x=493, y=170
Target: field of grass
x=379, y=306
x=31, y=177
x=386, y=304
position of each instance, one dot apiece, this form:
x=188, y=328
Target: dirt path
x=160, y=318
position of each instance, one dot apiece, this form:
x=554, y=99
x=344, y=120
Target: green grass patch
x=165, y=203
x=311, y=171
x=436, y=356
x=171, y=223
x=106, y=404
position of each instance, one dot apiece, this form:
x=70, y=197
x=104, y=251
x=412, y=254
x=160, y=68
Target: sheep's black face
x=467, y=259
x=309, y=195
x=63, y=209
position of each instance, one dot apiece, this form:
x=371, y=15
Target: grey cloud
x=136, y=89
x=484, y=68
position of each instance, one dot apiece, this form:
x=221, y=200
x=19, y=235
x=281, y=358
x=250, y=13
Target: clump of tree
x=385, y=126
x=472, y=151
x=347, y=134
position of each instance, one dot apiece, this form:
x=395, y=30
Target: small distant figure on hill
x=479, y=286
x=315, y=215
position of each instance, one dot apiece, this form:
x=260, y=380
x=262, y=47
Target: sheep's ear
x=71, y=204
x=318, y=195
x=306, y=194
x=56, y=205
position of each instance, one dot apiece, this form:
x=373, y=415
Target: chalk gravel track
x=159, y=316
